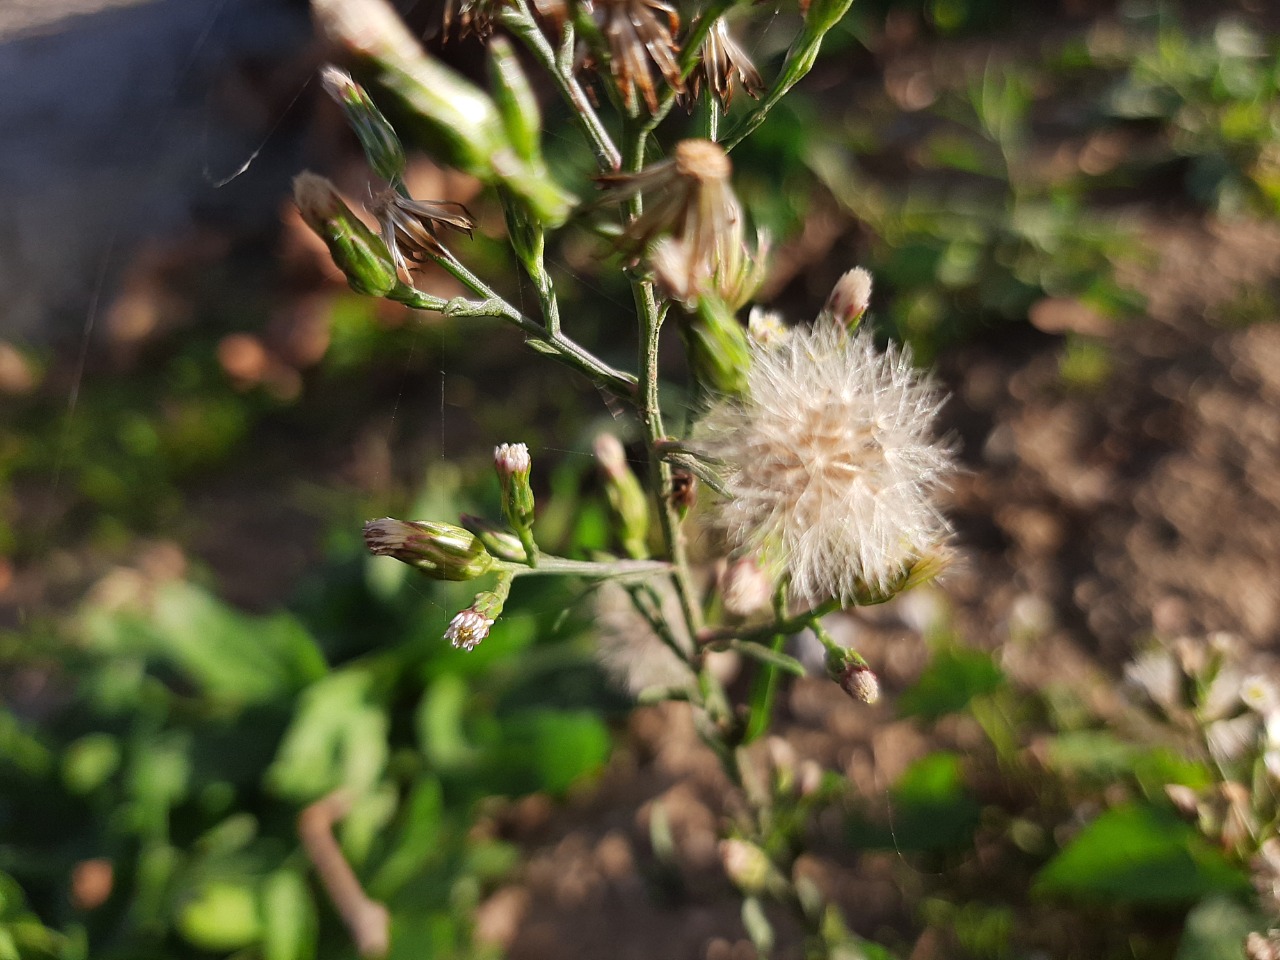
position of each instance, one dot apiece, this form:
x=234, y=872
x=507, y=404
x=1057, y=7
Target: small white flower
x=1272, y=722
x=1158, y=676
x=831, y=462
x=1229, y=740
x=511, y=459
x=467, y=629
x=1259, y=694
x=1271, y=760
x=765, y=328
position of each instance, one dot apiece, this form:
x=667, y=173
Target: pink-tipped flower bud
x=745, y=588
x=849, y=299
x=513, y=465
x=853, y=674
x=440, y=550
x=1184, y=799
x=382, y=148
x=356, y=250
x=627, y=500
x=748, y=867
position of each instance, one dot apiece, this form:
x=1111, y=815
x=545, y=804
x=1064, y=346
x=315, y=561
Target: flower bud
x=1260, y=946
x=748, y=867
x=1184, y=799
x=822, y=15
x=382, y=147
x=849, y=299
x=719, y=352
x=356, y=250
x=745, y=588
x=514, y=98
x=444, y=111
x=627, y=500
x=469, y=627
x=512, y=462
x=497, y=540
x=853, y=674
x=440, y=550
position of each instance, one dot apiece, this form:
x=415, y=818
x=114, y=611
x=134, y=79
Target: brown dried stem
x=368, y=921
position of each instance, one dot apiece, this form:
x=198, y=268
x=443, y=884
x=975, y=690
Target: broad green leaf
x=338, y=737
x=1215, y=929
x=954, y=678
x=555, y=748
x=440, y=724
x=418, y=841
x=931, y=808
x=1091, y=753
x=223, y=916
x=289, y=914
x=1139, y=854
x=227, y=655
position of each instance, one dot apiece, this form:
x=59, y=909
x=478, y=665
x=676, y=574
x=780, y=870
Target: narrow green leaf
x=758, y=651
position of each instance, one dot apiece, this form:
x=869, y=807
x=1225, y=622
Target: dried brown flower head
x=640, y=33
x=723, y=61
x=409, y=226
x=692, y=224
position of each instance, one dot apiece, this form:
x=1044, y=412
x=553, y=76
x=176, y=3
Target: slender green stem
x=712, y=121
x=764, y=633
x=518, y=18
x=553, y=342
x=647, y=602
x=660, y=471
x=800, y=60
x=550, y=304
x=591, y=569
x=690, y=55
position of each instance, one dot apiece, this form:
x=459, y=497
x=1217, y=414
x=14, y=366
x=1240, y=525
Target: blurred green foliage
x=185, y=736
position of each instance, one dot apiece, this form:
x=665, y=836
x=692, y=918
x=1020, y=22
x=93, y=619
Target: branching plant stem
x=519, y=20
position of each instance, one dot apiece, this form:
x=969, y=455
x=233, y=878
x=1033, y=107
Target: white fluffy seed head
x=831, y=463
x=633, y=657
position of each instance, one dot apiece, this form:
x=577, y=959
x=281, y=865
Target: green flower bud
x=497, y=540
x=627, y=500
x=512, y=462
x=719, y=351
x=440, y=550
x=382, y=147
x=822, y=15
x=358, y=251
x=443, y=111
x=518, y=107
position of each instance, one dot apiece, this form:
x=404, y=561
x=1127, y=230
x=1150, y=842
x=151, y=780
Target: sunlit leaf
x=338, y=738
x=1139, y=854
x=952, y=679
x=223, y=916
